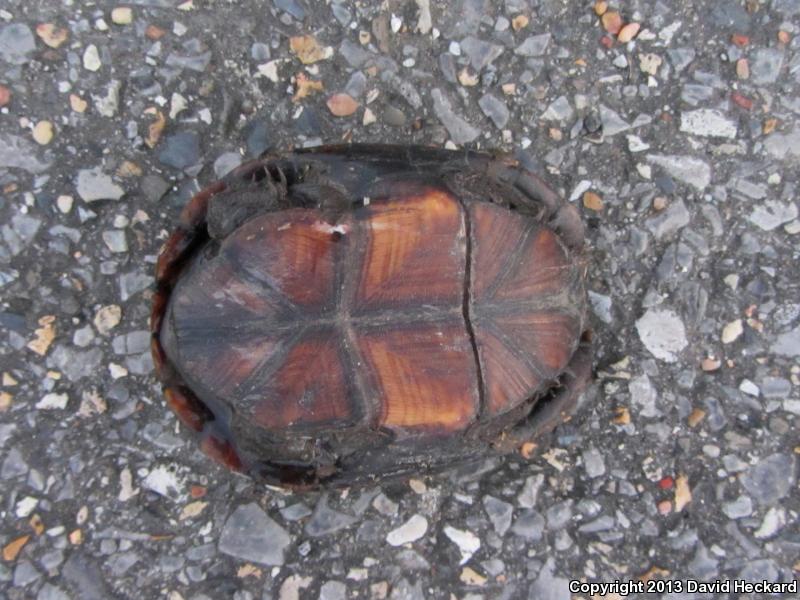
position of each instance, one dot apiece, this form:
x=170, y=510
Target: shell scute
x=310, y=389
x=414, y=253
x=526, y=323
x=424, y=374
x=293, y=252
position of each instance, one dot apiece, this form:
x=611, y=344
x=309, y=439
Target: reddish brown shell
x=309, y=341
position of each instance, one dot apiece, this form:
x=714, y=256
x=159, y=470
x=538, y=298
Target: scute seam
x=465, y=307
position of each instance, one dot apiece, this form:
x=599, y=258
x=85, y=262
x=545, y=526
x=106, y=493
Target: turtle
x=342, y=314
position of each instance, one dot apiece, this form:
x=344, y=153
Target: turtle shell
x=371, y=311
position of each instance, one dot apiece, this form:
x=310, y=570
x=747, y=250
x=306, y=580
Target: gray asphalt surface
x=682, y=149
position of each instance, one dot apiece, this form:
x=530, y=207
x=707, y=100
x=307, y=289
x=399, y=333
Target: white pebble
x=396, y=23
x=64, y=204
x=408, y=532
x=91, y=58
x=468, y=543
x=748, y=387
x=663, y=333
x=177, y=104
x=122, y=15
x=26, y=506
x=732, y=331
x=117, y=371
x=53, y=401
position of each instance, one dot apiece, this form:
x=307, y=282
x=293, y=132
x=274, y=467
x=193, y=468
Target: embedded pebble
x=481, y=53
x=410, y=531
x=133, y=342
x=559, y=515
x=385, y=505
x=64, y=203
x=333, y=590
x=612, y=122
x=602, y=523
x=43, y=133
x=548, y=586
x=628, y=32
x=601, y=306
x=468, y=543
x=775, y=387
x=688, y=169
x=708, y=122
x=180, y=150
x=460, y=131
x=115, y=240
x=669, y=221
x=53, y=401
x=771, y=214
x=291, y=587
x=292, y=7
x=354, y=54
x=749, y=388
x=91, y=58
x=226, y=163
x=530, y=491
x=593, y=463
x=326, y=520
x=257, y=138
x=788, y=343
x=499, y=513
x=694, y=94
x=108, y=103
x=752, y=190
x=635, y=143
x=106, y=318
x=342, y=105
x=620, y=61
x=784, y=146
x=196, y=61
x=739, y=508
x=341, y=13
x=295, y=512
x=774, y=520
x=663, y=333
x=770, y=479
x=393, y=116
x=650, y=63
x=122, y=15
x=703, y=565
x=535, y=45
x=765, y=65
x=249, y=534
x=19, y=153
x=260, y=52
x=356, y=85
x=732, y=331
x=495, y=109
x=94, y=184
x=558, y=110
x=529, y=525
x=681, y=57
x=16, y=43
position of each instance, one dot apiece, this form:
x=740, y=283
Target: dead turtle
x=341, y=314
